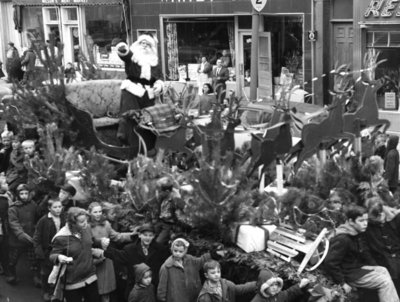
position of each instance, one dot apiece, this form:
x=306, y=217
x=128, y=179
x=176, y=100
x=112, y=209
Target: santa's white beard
x=144, y=57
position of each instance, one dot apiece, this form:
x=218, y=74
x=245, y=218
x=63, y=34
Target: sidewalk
x=24, y=291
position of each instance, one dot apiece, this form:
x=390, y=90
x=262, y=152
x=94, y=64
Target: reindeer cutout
x=277, y=141
x=367, y=114
x=314, y=135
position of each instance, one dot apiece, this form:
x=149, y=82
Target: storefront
x=91, y=26
x=7, y=33
x=189, y=30
x=377, y=27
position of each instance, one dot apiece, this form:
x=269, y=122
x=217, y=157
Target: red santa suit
x=143, y=82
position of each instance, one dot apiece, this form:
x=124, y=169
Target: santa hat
x=265, y=280
x=149, y=38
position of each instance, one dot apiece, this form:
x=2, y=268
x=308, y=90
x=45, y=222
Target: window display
x=104, y=32
x=387, y=43
x=32, y=24
x=286, y=45
x=190, y=39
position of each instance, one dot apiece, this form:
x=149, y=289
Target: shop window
x=32, y=25
x=394, y=39
x=286, y=45
x=51, y=14
x=387, y=44
x=188, y=40
x=104, y=31
x=70, y=14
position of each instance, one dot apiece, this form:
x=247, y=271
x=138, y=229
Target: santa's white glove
x=122, y=49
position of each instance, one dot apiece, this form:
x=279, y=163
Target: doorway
x=244, y=64
x=342, y=43
x=71, y=45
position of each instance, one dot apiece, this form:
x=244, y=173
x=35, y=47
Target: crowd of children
x=76, y=253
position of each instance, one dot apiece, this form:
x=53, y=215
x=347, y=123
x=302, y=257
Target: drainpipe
x=312, y=55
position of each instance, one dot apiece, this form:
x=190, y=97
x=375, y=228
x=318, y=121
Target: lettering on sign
x=64, y=1
x=383, y=8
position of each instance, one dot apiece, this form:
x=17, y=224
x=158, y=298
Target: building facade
x=8, y=33
x=89, y=27
x=189, y=29
x=376, y=28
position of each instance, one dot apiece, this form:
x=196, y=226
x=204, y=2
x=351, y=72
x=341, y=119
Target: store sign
x=258, y=4
x=65, y=2
x=383, y=8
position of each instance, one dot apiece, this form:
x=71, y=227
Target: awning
x=65, y=2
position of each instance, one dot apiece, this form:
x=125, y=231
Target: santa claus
x=143, y=83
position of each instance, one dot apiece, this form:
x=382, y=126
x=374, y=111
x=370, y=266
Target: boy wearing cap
x=22, y=220
x=65, y=195
x=143, y=249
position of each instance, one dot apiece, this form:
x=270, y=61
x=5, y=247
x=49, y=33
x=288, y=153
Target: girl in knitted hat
x=179, y=275
x=270, y=289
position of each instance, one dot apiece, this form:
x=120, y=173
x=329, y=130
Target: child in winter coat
x=22, y=217
x=216, y=289
x=101, y=228
x=46, y=228
x=270, y=289
x=142, y=249
x=179, y=275
x=143, y=291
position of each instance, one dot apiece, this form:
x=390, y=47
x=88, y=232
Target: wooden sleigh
x=95, y=106
x=286, y=243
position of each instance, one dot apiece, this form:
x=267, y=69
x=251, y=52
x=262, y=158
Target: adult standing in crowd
x=28, y=62
x=392, y=163
x=220, y=76
x=72, y=246
x=205, y=73
x=13, y=63
x=226, y=59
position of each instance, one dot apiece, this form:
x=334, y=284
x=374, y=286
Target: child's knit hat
x=265, y=279
x=140, y=270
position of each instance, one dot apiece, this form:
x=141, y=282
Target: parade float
x=270, y=204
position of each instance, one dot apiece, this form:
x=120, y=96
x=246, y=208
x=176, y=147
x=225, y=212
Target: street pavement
x=24, y=291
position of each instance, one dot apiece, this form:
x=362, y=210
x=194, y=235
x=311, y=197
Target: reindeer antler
x=342, y=80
